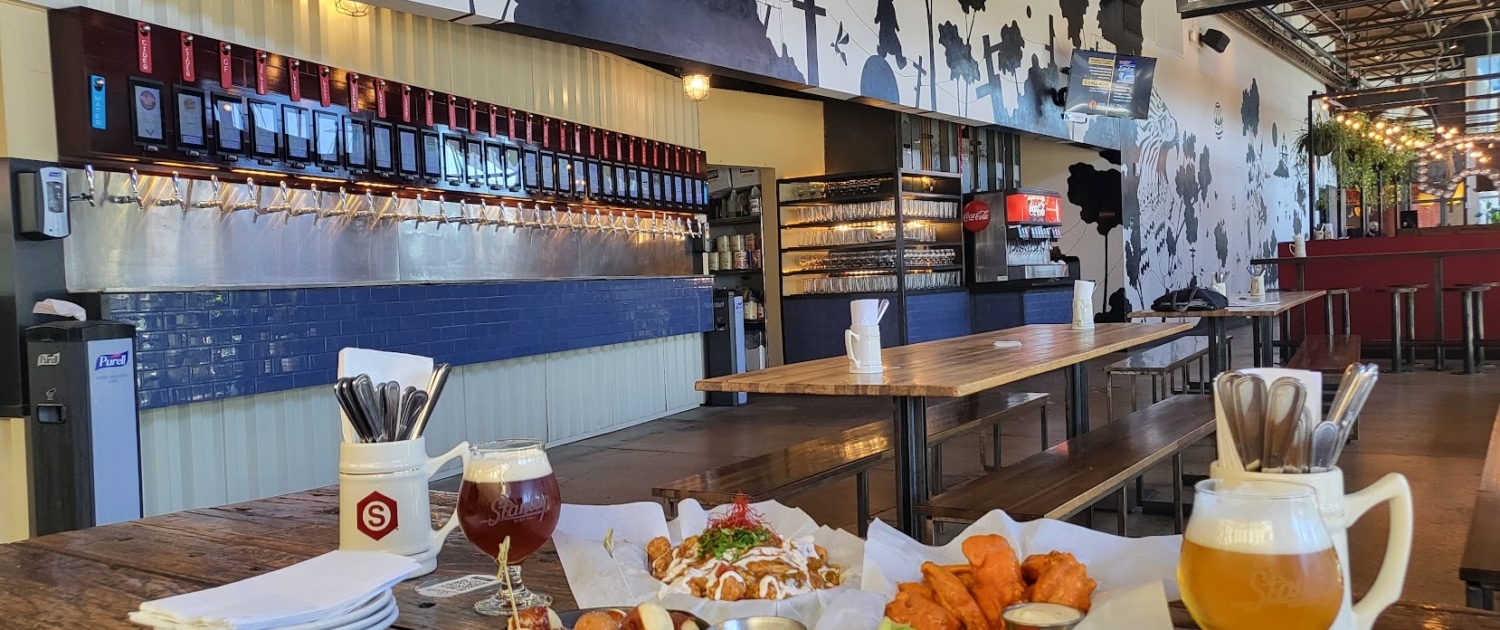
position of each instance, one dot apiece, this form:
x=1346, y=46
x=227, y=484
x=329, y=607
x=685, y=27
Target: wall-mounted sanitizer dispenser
x=44, y=203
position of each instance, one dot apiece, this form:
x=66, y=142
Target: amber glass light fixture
x=695, y=86
x=352, y=8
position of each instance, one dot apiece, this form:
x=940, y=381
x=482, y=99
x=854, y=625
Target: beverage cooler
x=1010, y=235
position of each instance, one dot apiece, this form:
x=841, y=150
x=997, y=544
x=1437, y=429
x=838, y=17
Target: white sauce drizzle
x=795, y=553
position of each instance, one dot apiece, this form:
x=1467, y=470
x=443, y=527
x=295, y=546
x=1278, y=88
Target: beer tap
x=176, y=198
x=88, y=178
x=135, y=192
x=253, y=203
x=215, y=199
x=340, y=209
x=575, y=220
x=282, y=202
x=465, y=218
x=395, y=210
x=369, y=210
x=419, y=218
x=484, y=214
x=317, y=207
x=442, y=213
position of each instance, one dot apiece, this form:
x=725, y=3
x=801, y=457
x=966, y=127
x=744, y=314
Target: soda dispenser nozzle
x=88, y=178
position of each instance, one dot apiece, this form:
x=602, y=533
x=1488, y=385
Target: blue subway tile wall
x=1049, y=306
x=207, y=345
x=934, y=316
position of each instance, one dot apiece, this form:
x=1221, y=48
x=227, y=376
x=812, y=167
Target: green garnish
x=730, y=543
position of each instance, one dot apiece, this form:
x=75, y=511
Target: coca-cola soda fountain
x=1020, y=246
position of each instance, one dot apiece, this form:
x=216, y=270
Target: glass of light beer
x=1256, y=555
x=509, y=491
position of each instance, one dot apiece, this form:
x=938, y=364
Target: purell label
x=43, y=360
x=117, y=359
x=457, y=586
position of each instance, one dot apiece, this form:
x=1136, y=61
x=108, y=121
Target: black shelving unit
x=903, y=189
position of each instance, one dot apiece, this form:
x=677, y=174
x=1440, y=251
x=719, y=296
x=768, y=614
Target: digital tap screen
x=326, y=137
x=229, y=123
x=190, y=119
x=265, y=130
x=406, y=141
x=296, y=124
x=380, y=143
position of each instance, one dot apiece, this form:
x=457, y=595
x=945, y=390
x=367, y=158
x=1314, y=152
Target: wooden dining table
x=951, y=368
x=91, y=579
x=1262, y=312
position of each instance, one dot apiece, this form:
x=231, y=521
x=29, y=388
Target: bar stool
x=1471, y=303
x=1403, y=298
x=1328, y=308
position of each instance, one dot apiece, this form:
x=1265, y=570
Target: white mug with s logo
x=383, y=501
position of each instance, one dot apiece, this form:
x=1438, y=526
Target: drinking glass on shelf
x=1256, y=554
x=509, y=493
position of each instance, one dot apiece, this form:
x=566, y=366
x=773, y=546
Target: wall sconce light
x=695, y=86
x=352, y=8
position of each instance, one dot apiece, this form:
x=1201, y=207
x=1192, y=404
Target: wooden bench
x=1480, y=567
x=851, y=452
x=1326, y=353
x=1161, y=364
x=1069, y=477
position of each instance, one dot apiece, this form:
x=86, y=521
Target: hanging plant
x=1321, y=139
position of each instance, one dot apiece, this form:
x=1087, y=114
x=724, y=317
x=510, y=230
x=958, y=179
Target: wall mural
x=1203, y=189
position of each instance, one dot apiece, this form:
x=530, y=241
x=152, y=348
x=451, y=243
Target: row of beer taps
x=378, y=209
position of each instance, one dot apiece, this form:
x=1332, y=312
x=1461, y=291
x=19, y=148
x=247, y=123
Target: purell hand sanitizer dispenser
x=85, y=438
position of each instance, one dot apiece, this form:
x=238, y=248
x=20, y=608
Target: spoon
x=1283, y=413
x=1323, y=447
x=1250, y=399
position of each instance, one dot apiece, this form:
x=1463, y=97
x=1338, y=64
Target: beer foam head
x=1254, y=517
x=508, y=461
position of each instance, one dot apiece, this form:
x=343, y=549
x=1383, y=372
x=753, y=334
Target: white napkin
x=60, y=308
x=322, y=587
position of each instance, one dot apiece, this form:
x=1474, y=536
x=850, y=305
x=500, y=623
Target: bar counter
x=1372, y=264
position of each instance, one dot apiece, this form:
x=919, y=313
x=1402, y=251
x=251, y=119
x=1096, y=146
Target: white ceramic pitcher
x=862, y=346
x=1339, y=511
x=383, y=500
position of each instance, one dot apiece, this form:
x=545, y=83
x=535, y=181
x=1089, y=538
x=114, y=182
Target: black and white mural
x=1208, y=180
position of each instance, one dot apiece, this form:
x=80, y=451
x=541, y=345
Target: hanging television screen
x=1108, y=84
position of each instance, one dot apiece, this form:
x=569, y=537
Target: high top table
x=1262, y=317
x=91, y=579
x=951, y=368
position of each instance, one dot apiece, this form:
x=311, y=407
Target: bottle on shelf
x=755, y=201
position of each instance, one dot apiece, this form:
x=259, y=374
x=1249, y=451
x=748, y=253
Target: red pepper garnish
x=739, y=516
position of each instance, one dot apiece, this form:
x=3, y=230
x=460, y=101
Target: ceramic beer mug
x=383, y=501
x=1339, y=511
x=862, y=346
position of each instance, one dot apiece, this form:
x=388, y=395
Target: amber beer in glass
x=509, y=491
x=1257, y=555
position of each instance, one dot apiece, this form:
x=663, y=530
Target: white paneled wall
x=249, y=447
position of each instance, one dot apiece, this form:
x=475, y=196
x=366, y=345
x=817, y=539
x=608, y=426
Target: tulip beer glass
x=509, y=491
x=1256, y=555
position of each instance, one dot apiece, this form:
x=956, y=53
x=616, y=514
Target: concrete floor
x=1431, y=427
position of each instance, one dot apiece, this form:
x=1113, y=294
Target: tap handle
x=88, y=177
x=135, y=183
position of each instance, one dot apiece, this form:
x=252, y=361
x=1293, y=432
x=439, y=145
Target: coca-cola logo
x=976, y=215
x=377, y=515
x=534, y=507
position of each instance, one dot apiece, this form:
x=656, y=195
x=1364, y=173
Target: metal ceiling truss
x=1384, y=42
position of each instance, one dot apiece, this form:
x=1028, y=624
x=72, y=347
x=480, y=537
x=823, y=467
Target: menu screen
x=513, y=168
x=406, y=141
x=607, y=173
x=381, y=134
x=355, y=138
x=594, y=179
x=432, y=155
x=531, y=170
x=549, y=172
x=1110, y=85
x=297, y=133
x=494, y=166
x=264, y=129
x=453, y=158
x=475, y=161
x=229, y=123
x=190, y=119
x=146, y=111
x=326, y=136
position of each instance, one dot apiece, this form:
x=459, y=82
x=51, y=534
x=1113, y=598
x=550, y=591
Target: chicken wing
x=997, y=575
x=952, y=594
x=915, y=605
x=1062, y=579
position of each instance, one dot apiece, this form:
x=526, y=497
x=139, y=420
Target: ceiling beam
x=1312, y=7
x=1423, y=61
x=1355, y=26
x=1406, y=44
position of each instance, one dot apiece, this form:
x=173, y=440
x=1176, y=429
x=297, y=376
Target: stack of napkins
x=352, y=585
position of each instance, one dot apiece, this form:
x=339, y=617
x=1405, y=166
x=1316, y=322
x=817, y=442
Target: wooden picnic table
x=91, y=579
x=951, y=368
x=1262, y=317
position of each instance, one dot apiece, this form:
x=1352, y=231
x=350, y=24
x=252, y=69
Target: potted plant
x=1321, y=138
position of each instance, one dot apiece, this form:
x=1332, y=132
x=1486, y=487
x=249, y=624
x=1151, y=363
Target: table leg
x=1265, y=354
x=1217, y=344
x=1076, y=397
x=1440, y=360
x=910, y=418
